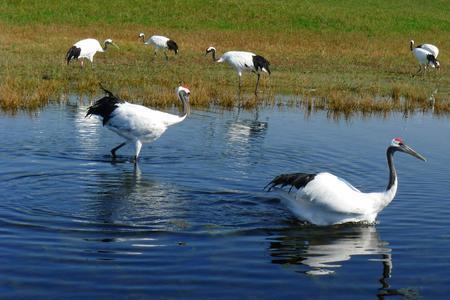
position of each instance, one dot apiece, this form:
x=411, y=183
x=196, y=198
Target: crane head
x=209, y=50
x=399, y=145
x=110, y=42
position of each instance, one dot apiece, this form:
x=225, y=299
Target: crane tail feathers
x=104, y=106
x=297, y=180
x=431, y=59
x=260, y=63
x=110, y=94
x=72, y=53
x=171, y=45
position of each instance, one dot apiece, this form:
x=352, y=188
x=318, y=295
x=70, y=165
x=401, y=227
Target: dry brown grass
x=345, y=76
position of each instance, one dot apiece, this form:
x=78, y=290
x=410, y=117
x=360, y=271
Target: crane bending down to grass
x=160, y=42
x=243, y=61
x=86, y=49
x=426, y=55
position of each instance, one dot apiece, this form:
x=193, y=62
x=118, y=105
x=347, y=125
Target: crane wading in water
x=86, y=49
x=324, y=199
x=137, y=124
x=160, y=42
x=243, y=61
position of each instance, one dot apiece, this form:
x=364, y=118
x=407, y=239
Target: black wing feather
x=73, y=53
x=297, y=180
x=432, y=59
x=104, y=106
x=260, y=62
x=171, y=45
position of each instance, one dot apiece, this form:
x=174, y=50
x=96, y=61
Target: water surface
x=191, y=221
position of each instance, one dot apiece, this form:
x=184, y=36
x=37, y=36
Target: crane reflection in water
x=320, y=251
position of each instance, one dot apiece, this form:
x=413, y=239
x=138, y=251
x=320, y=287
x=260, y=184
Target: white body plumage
x=430, y=48
x=137, y=122
x=243, y=61
x=328, y=199
x=426, y=55
x=87, y=48
x=160, y=42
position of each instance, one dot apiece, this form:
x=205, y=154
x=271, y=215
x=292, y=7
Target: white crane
x=137, y=124
x=426, y=55
x=160, y=42
x=243, y=61
x=324, y=199
x=86, y=49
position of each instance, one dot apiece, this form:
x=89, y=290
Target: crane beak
x=115, y=45
x=411, y=151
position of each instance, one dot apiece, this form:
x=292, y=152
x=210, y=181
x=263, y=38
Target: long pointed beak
x=413, y=152
x=115, y=45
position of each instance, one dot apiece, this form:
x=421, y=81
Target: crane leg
x=257, y=83
x=113, y=150
x=420, y=69
x=167, y=58
x=137, y=146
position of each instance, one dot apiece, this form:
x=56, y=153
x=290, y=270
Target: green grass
x=353, y=50
x=375, y=18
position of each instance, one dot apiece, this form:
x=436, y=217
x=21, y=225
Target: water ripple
x=192, y=219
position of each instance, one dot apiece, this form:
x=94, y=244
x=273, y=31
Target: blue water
x=191, y=221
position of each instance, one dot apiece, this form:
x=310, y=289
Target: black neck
x=105, y=47
x=392, y=172
x=186, y=107
x=213, y=54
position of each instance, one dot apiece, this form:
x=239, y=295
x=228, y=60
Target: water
x=191, y=220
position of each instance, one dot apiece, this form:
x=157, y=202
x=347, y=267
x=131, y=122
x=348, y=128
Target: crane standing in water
x=137, y=124
x=324, y=199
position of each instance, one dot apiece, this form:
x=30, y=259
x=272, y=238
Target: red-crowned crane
x=86, y=49
x=324, y=199
x=160, y=42
x=426, y=55
x=137, y=124
x=243, y=61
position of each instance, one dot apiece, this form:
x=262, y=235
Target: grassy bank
x=346, y=52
